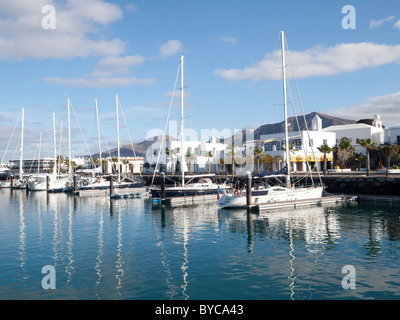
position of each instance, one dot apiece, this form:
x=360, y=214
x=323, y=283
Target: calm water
x=131, y=249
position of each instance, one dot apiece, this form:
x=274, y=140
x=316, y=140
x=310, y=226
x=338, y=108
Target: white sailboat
x=266, y=193
x=204, y=186
x=21, y=182
x=51, y=182
x=98, y=182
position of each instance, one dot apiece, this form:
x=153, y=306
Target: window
x=295, y=143
x=270, y=145
x=325, y=141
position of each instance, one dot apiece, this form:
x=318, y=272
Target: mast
x=98, y=133
x=59, y=161
x=288, y=184
x=69, y=141
x=40, y=148
x=55, y=144
x=182, y=135
x=21, y=151
x=119, y=167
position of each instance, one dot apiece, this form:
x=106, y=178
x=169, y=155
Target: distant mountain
x=265, y=129
x=140, y=148
x=327, y=121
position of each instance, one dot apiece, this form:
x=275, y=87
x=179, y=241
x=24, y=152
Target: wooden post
x=111, y=185
x=47, y=183
x=75, y=186
x=162, y=187
x=248, y=189
x=12, y=182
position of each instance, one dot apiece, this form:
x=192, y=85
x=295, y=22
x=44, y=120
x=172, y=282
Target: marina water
x=134, y=249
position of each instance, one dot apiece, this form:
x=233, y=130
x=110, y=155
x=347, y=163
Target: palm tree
x=103, y=164
x=189, y=157
x=389, y=151
x=324, y=148
x=114, y=160
x=209, y=156
x=232, y=153
x=258, y=154
x=368, y=145
x=172, y=153
x=345, y=150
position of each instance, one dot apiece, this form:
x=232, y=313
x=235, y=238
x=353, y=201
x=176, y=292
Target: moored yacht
x=286, y=192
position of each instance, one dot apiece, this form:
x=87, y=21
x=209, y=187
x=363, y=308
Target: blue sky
x=100, y=48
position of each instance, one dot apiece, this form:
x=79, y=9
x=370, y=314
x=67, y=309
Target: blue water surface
x=134, y=249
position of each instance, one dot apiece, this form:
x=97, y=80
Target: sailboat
x=51, y=182
x=266, y=193
x=100, y=183
x=22, y=181
x=202, y=187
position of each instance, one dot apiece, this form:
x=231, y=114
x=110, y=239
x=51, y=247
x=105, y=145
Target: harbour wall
x=379, y=185
x=341, y=184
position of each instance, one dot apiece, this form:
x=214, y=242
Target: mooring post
x=12, y=182
x=111, y=185
x=47, y=183
x=75, y=185
x=248, y=189
x=162, y=187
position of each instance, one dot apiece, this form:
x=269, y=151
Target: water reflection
x=159, y=252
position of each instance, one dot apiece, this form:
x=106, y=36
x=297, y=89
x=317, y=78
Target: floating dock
x=271, y=206
x=106, y=192
x=379, y=198
x=191, y=200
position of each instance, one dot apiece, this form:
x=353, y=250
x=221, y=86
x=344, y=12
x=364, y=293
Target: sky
x=346, y=63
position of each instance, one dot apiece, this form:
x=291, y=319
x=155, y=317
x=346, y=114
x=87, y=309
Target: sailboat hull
x=275, y=194
x=182, y=192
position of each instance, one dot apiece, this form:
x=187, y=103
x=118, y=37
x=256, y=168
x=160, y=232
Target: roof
x=348, y=127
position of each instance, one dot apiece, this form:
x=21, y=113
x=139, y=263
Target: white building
x=303, y=146
x=199, y=156
x=355, y=131
x=393, y=135
x=125, y=165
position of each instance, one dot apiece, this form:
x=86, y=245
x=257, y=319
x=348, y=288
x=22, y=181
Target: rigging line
x=127, y=129
x=166, y=124
x=302, y=109
x=301, y=135
x=73, y=110
x=104, y=135
x=12, y=134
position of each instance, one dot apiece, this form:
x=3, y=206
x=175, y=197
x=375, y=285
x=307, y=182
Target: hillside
x=327, y=121
x=140, y=148
x=279, y=127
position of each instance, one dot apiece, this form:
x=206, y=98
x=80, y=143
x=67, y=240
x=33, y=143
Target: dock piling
x=162, y=187
x=75, y=186
x=111, y=185
x=248, y=189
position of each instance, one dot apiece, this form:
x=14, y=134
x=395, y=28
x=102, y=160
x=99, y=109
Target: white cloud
x=172, y=47
x=387, y=106
x=397, y=25
x=224, y=39
x=78, y=22
x=377, y=23
x=103, y=82
x=109, y=66
x=318, y=61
